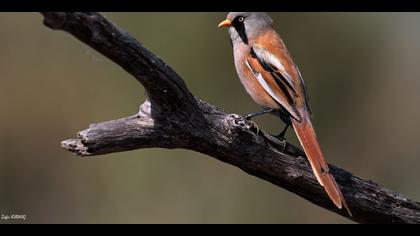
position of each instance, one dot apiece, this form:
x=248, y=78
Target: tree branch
x=172, y=117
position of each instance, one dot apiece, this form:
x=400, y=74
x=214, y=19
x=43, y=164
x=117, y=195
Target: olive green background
x=362, y=71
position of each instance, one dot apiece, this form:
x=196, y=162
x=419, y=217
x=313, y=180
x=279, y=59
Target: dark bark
x=172, y=117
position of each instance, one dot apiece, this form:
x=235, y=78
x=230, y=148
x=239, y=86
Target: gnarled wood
x=172, y=117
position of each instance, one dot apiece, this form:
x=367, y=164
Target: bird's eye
x=241, y=19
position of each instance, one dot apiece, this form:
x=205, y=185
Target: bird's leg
x=252, y=115
x=283, y=133
x=286, y=119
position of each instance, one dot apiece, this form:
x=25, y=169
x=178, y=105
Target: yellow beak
x=225, y=23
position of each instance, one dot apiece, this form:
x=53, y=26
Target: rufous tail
x=307, y=137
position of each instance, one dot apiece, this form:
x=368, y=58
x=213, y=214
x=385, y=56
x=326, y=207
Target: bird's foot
x=279, y=137
x=249, y=117
x=282, y=134
x=254, y=125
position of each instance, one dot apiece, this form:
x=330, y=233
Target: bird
x=267, y=71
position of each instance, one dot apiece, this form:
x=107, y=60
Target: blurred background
x=361, y=69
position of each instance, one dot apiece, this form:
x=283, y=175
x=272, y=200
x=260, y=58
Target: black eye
x=241, y=19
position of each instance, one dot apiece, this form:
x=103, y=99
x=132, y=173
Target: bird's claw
x=280, y=137
x=254, y=125
x=248, y=117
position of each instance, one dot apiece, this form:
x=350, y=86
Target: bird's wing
x=272, y=64
x=274, y=78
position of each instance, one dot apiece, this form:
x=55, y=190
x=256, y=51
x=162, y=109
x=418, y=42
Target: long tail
x=307, y=137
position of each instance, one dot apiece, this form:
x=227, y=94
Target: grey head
x=245, y=26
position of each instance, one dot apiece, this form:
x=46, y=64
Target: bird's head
x=245, y=26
